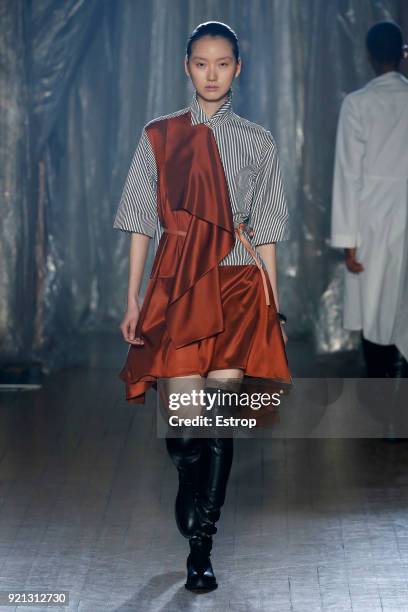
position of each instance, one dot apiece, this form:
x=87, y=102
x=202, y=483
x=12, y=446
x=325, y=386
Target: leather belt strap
x=239, y=232
x=173, y=231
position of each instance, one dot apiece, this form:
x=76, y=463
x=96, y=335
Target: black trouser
x=383, y=361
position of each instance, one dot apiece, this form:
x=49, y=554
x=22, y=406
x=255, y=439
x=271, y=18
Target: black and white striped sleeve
x=137, y=210
x=269, y=211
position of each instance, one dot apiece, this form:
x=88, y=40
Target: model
x=369, y=210
x=207, y=183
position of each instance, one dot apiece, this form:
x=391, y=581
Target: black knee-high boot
x=217, y=453
x=185, y=452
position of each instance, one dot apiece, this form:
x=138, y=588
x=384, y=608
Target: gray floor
x=87, y=494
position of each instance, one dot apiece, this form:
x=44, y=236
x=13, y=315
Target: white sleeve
x=137, y=210
x=269, y=210
x=347, y=180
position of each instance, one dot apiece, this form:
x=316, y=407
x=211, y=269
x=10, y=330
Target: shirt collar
x=387, y=76
x=219, y=117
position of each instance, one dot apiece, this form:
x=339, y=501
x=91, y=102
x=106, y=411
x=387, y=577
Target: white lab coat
x=369, y=206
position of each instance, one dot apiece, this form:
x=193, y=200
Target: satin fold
x=252, y=339
x=192, y=179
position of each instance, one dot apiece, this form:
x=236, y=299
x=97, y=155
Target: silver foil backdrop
x=80, y=78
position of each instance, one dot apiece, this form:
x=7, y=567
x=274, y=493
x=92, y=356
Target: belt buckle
x=249, y=230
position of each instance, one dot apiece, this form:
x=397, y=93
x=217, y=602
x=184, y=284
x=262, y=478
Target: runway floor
x=87, y=495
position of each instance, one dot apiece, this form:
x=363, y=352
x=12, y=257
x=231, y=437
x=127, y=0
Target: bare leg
x=228, y=381
x=230, y=377
x=226, y=374
x=175, y=386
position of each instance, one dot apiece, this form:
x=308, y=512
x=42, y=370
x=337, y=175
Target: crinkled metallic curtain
x=80, y=78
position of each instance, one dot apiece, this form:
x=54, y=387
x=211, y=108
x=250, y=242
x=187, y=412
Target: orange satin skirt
x=251, y=340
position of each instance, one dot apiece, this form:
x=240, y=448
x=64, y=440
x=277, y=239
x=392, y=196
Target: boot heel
x=200, y=573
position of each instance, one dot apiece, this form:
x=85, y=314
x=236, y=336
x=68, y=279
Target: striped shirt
x=251, y=166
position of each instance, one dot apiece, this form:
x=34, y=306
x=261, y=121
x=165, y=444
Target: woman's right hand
x=128, y=325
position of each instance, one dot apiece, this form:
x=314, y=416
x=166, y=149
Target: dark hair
x=384, y=42
x=214, y=28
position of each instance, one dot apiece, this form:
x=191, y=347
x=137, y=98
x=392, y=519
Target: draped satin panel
x=192, y=179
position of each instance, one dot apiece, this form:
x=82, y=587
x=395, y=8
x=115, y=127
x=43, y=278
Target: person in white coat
x=369, y=204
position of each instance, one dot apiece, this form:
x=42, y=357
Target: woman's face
x=212, y=67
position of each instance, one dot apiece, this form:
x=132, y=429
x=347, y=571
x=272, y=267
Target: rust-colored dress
x=197, y=315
